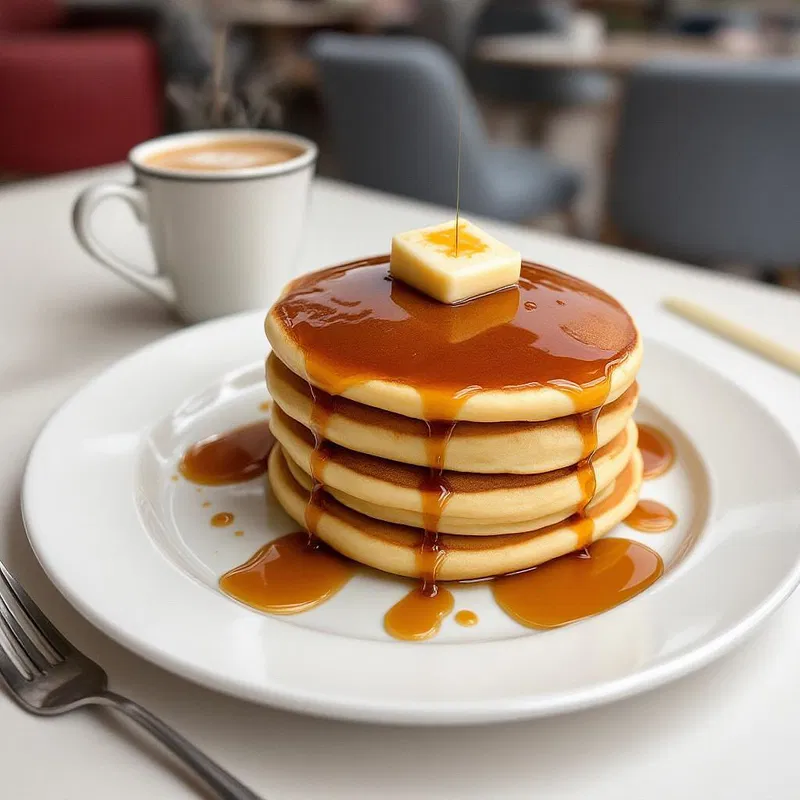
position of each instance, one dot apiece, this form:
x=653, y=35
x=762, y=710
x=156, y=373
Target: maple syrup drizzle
x=436, y=492
x=321, y=410
x=587, y=427
x=658, y=452
x=466, y=618
x=233, y=457
x=420, y=614
x=578, y=585
x=288, y=576
x=222, y=519
x=650, y=516
x=458, y=176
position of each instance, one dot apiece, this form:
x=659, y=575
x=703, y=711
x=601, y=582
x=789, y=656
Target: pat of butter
x=427, y=259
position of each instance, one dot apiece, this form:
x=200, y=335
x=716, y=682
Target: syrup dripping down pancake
x=463, y=526
x=513, y=447
x=480, y=497
x=394, y=548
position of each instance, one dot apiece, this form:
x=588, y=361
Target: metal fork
x=48, y=676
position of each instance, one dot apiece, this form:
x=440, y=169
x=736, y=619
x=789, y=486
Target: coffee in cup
x=220, y=155
x=224, y=211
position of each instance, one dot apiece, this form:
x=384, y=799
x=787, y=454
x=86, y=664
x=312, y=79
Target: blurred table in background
x=310, y=14
x=288, y=13
x=617, y=54
x=282, y=26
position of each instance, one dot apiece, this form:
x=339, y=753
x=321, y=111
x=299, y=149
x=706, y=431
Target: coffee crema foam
x=223, y=155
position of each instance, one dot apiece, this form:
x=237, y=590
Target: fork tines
x=30, y=638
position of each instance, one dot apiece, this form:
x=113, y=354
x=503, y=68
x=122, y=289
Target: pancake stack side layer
x=453, y=442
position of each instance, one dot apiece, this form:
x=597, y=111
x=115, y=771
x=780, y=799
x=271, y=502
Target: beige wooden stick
x=734, y=332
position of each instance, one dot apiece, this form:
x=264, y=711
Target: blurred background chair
x=450, y=23
x=393, y=107
x=710, y=21
x=706, y=167
x=72, y=98
x=542, y=91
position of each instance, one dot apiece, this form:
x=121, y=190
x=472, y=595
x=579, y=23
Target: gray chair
x=450, y=23
x=710, y=21
x=548, y=88
x=393, y=106
x=707, y=163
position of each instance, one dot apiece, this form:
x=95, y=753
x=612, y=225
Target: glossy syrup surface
x=354, y=324
x=419, y=614
x=232, y=457
x=658, y=452
x=288, y=575
x=466, y=618
x=579, y=585
x=650, y=516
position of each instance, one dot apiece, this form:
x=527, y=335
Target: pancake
x=487, y=498
x=395, y=548
x=515, y=447
x=548, y=347
x=459, y=525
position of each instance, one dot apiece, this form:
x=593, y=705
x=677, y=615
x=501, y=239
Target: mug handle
x=150, y=281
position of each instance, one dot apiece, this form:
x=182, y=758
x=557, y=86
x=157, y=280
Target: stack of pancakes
x=498, y=433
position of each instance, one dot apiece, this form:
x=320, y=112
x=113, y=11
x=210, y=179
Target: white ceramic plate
x=133, y=550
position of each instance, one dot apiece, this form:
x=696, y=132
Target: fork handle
x=216, y=778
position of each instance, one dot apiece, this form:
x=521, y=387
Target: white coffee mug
x=223, y=240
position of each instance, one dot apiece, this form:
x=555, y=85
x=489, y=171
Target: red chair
x=72, y=98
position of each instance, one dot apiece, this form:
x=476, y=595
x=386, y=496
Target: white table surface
x=727, y=732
